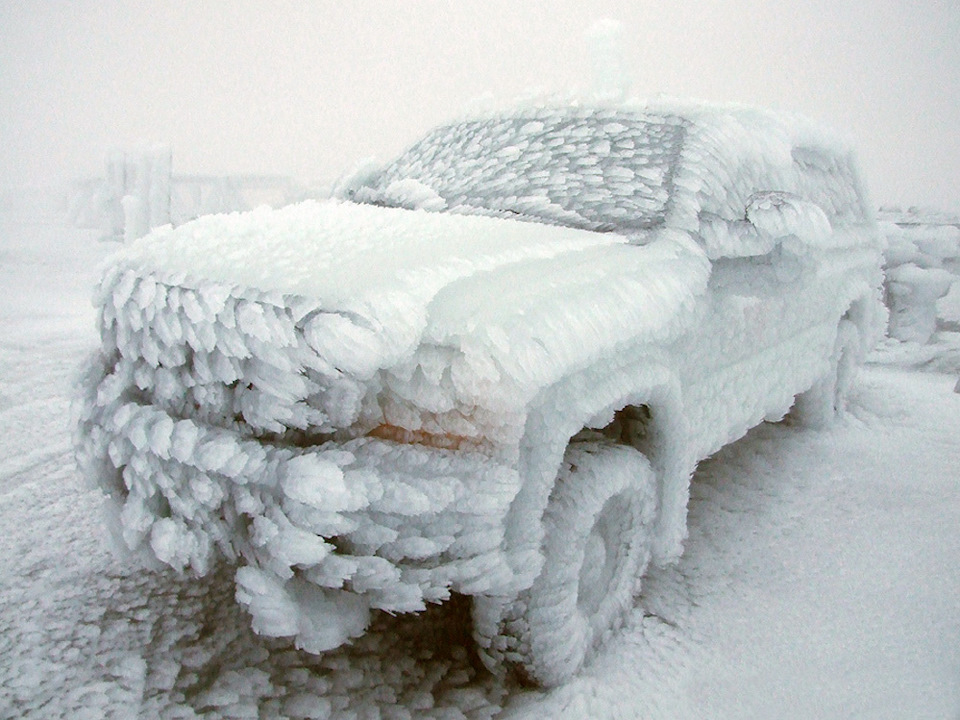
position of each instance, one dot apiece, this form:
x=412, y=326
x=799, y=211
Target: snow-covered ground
x=821, y=578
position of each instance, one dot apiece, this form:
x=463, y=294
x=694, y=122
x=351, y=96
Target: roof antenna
x=611, y=82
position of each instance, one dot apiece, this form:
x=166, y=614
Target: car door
x=761, y=329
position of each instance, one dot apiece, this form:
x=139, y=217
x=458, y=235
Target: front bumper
x=319, y=532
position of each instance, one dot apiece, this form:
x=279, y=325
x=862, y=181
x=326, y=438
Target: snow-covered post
x=611, y=81
x=136, y=220
x=161, y=162
x=136, y=203
x=922, y=278
x=114, y=189
x=139, y=185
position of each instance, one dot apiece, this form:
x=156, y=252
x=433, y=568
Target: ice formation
x=364, y=403
x=922, y=275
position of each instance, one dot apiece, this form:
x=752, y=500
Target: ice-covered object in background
x=914, y=294
x=366, y=403
x=922, y=275
x=136, y=193
x=611, y=81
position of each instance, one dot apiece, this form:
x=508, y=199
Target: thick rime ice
x=364, y=403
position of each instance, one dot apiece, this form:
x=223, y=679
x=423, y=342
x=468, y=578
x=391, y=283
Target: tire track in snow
x=34, y=461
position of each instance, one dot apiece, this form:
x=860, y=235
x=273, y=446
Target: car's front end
x=265, y=392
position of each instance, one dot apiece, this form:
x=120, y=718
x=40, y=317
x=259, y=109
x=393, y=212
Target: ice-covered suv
x=489, y=367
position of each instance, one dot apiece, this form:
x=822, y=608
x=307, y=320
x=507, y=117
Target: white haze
x=307, y=89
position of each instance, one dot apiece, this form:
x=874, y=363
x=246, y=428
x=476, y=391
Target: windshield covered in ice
x=602, y=170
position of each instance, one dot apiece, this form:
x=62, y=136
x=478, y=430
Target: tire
x=818, y=406
x=596, y=546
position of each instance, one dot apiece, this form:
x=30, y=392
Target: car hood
x=528, y=300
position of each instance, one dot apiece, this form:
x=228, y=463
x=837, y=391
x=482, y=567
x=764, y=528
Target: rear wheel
x=596, y=546
x=818, y=406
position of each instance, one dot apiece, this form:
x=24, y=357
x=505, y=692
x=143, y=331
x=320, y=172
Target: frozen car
x=489, y=368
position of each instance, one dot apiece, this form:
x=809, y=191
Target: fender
x=589, y=398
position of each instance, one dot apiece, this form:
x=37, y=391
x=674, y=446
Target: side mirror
x=347, y=185
x=785, y=217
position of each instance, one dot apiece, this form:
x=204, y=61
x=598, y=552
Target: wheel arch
x=590, y=398
x=868, y=313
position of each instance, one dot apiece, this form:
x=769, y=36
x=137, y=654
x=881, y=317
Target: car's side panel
x=755, y=345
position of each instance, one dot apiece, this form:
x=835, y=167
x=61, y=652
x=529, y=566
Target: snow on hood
x=373, y=271
x=534, y=300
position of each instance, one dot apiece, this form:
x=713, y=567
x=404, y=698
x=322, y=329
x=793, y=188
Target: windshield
x=603, y=170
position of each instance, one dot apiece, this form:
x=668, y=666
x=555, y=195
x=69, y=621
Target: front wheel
x=596, y=546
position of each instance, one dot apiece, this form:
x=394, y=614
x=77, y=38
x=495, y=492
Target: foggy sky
x=310, y=88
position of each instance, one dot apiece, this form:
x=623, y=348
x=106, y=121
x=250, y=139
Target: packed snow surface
x=819, y=579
